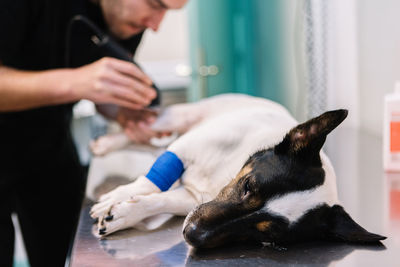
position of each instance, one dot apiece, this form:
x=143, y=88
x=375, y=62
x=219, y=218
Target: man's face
x=126, y=18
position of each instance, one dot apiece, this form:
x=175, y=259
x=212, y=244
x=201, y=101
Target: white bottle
x=391, y=130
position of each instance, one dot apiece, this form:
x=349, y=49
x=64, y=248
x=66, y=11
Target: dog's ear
x=343, y=228
x=307, y=139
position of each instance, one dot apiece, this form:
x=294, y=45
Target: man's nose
x=153, y=21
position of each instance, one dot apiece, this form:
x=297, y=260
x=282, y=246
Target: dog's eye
x=246, y=188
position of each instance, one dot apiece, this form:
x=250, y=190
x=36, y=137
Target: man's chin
x=128, y=33
x=131, y=31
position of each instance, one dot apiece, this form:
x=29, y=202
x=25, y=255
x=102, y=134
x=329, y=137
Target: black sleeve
x=14, y=16
x=132, y=43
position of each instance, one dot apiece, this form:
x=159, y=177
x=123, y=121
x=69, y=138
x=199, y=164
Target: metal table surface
x=370, y=196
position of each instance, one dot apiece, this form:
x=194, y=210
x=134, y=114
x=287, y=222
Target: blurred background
x=309, y=55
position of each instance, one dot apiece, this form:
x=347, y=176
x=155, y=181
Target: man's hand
x=113, y=81
x=137, y=124
x=107, y=80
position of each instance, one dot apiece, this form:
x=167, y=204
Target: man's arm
x=107, y=80
x=20, y=90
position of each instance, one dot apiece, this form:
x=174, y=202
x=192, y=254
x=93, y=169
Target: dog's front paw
x=142, y=186
x=122, y=215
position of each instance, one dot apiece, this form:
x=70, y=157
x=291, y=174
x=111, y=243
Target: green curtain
x=246, y=40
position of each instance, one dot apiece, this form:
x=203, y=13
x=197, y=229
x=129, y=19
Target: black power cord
x=106, y=44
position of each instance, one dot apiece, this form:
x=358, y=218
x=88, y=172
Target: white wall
x=364, y=58
x=364, y=55
x=170, y=42
x=379, y=57
x=342, y=58
x=164, y=55
x=343, y=64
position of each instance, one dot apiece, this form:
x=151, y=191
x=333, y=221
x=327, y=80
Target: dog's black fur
x=237, y=213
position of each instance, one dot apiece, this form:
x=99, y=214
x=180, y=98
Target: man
x=40, y=175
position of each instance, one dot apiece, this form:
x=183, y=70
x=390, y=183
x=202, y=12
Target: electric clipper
x=111, y=48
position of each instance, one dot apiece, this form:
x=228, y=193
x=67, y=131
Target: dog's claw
x=102, y=231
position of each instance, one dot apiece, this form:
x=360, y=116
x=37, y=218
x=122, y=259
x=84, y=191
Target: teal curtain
x=244, y=40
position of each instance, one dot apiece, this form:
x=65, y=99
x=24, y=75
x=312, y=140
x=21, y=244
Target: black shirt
x=33, y=36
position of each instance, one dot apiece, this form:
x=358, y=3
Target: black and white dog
x=251, y=173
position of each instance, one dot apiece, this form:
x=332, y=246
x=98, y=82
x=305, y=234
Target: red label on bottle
x=395, y=136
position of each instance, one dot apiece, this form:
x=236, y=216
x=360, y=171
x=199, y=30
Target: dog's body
x=219, y=135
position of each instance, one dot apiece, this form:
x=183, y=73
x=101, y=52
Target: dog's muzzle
x=195, y=236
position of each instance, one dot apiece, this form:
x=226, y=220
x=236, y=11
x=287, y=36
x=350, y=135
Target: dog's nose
x=194, y=235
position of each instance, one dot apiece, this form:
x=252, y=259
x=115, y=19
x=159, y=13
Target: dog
x=251, y=173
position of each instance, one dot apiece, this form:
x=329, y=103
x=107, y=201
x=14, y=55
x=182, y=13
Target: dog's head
x=281, y=195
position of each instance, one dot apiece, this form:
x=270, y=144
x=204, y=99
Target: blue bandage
x=165, y=171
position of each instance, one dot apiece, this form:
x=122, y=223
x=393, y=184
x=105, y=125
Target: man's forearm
x=105, y=81
x=21, y=90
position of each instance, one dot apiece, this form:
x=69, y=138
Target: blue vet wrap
x=165, y=171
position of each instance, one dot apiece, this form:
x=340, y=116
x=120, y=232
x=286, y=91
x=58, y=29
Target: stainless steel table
x=371, y=196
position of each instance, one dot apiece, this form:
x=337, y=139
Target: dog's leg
x=127, y=214
x=108, y=143
x=179, y=118
x=141, y=186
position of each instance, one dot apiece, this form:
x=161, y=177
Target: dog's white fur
x=295, y=204
x=220, y=133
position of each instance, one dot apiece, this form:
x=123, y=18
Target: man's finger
x=136, y=135
x=135, y=85
x=132, y=70
x=128, y=95
x=123, y=103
